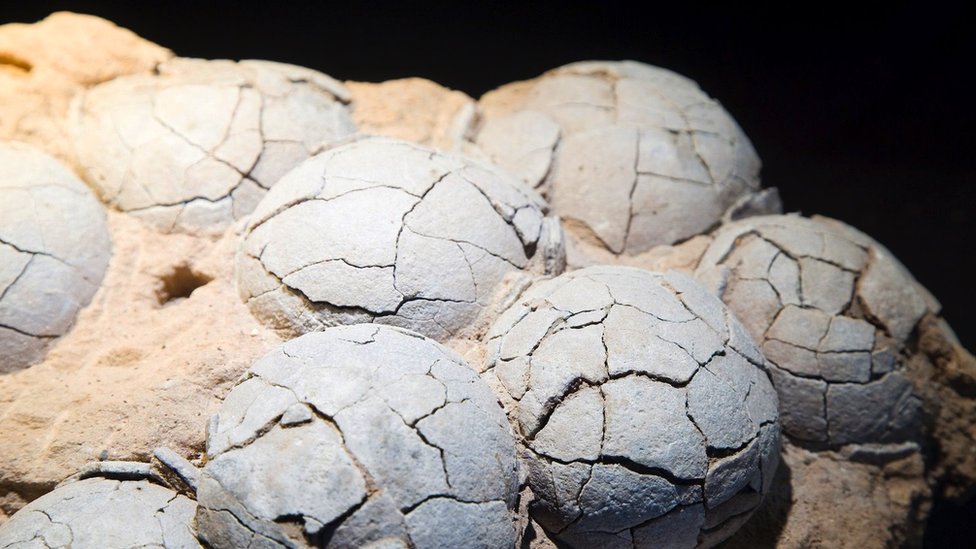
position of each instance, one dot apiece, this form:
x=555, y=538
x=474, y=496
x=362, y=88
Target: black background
x=863, y=113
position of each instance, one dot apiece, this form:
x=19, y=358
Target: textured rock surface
x=197, y=145
x=54, y=249
x=643, y=406
x=629, y=155
x=829, y=500
x=944, y=374
x=392, y=232
x=413, y=109
x=682, y=257
x=43, y=65
x=99, y=512
x=356, y=435
x=146, y=363
x=833, y=312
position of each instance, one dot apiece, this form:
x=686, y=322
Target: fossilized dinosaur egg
x=832, y=311
x=54, y=249
x=100, y=512
x=356, y=435
x=196, y=146
x=392, y=232
x=647, y=418
x=629, y=155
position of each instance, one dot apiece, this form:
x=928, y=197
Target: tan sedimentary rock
x=413, y=109
x=683, y=257
x=944, y=375
x=43, y=65
x=829, y=500
x=164, y=338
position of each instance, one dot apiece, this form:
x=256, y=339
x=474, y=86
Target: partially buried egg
x=644, y=407
x=355, y=435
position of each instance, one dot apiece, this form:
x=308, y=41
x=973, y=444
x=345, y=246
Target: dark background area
x=862, y=113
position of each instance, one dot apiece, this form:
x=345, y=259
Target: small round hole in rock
x=179, y=283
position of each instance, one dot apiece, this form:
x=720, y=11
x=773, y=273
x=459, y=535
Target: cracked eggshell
x=644, y=409
x=54, y=249
x=392, y=232
x=197, y=145
x=631, y=156
x=834, y=313
x=99, y=512
x=355, y=435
